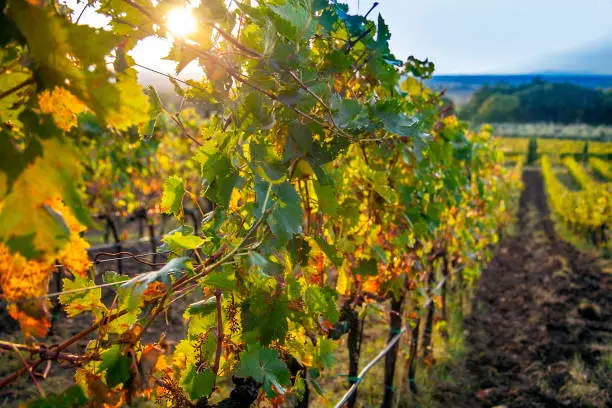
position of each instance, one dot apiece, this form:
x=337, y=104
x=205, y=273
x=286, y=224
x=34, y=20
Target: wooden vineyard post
x=411, y=363
x=110, y=226
x=428, y=329
x=194, y=219
x=297, y=369
x=459, y=290
x=354, y=346
x=57, y=279
x=443, y=290
x=395, y=326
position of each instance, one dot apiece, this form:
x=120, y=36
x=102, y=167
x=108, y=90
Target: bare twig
x=16, y=88
x=219, y=350
x=235, y=42
x=178, y=121
x=314, y=95
x=81, y=13
x=29, y=370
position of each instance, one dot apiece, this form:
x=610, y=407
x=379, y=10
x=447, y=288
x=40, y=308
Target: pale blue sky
x=499, y=36
x=476, y=36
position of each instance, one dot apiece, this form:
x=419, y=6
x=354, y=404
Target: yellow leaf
x=62, y=105
x=343, y=284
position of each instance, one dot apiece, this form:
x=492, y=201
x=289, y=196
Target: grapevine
x=335, y=178
x=601, y=168
x=587, y=211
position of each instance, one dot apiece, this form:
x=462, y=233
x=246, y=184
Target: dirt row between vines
x=540, y=331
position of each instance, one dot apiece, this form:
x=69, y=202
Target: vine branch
x=16, y=88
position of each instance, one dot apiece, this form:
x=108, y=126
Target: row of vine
x=336, y=179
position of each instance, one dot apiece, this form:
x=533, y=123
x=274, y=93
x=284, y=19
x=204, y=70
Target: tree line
x=539, y=101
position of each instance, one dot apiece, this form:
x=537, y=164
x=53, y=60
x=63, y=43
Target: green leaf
x=72, y=397
x=181, y=54
x=350, y=115
x=286, y=216
x=74, y=56
x=172, y=196
x=116, y=365
x=178, y=241
x=325, y=353
x=172, y=270
x=327, y=198
x=224, y=279
x=298, y=142
x=264, y=316
x=85, y=300
x=394, y=120
x=203, y=307
x=299, y=387
x=328, y=250
x=156, y=109
x=366, y=268
x=198, y=384
x=297, y=19
x=219, y=178
x=299, y=250
x=114, y=277
x=265, y=266
x=11, y=105
x=265, y=367
x=382, y=35
x=322, y=301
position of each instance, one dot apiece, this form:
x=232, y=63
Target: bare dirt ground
x=540, y=334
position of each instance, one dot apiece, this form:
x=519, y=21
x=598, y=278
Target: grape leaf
x=286, y=216
x=395, y=120
x=31, y=226
x=224, y=279
x=324, y=353
x=326, y=198
x=70, y=398
x=178, y=241
x=322, y=301
x=116, y=365
x=86, y=300
x=264, y=318
x=350, y=115
x=203, y=307
x=172, y=270
x=366, y=268
x=198, y=384
x=296, y=20
x=172, y=196
x=265, y=367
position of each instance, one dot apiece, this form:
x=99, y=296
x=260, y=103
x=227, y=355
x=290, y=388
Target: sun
x=180, y=22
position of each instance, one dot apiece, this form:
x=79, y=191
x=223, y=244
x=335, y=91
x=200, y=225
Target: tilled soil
x=540, y=334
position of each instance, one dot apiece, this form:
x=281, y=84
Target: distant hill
x=460, y=88
x=594, y=58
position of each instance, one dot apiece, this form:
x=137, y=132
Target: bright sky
x=492, y=36
x=470, y=36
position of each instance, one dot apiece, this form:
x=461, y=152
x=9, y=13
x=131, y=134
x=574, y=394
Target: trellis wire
x=96, y=262
x=367, y=368
x=388, y=347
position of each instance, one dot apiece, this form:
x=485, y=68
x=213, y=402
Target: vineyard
x=306, y=211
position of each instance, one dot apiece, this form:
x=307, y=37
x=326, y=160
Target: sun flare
x=180, y=22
